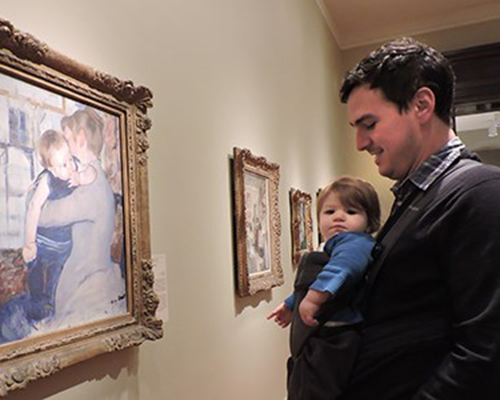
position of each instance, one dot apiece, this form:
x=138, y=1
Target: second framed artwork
x=301, y=223
x=257, y=223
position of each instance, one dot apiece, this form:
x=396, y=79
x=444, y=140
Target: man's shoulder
x=469, y=180
x=478, y=173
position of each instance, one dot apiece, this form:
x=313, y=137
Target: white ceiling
x=359, y=22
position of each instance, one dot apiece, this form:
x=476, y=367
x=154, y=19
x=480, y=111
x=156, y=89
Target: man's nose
x=362, y=140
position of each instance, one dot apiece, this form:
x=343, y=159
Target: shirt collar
x=431, y=168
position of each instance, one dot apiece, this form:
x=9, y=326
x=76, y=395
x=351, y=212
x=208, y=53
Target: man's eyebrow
x=362, y=119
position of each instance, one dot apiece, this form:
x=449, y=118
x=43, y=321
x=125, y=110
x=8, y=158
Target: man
x=432, y=297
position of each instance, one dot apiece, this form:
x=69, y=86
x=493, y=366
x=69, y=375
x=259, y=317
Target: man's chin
x=387, y=173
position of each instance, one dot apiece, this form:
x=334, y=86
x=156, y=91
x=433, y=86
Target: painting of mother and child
x=61, y=213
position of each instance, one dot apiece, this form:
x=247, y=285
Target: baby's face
x=61, y=162
x=335, y=218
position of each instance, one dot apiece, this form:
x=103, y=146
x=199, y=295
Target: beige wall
x=260, y=74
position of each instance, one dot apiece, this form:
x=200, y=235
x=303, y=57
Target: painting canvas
x=301, y=223
x=257, y=223
x=58, y=270
x=75, y=257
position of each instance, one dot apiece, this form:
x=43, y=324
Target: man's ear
x=424, y=103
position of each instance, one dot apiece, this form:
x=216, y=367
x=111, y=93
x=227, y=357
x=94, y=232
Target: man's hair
x=49, y=142
x=355, y=193
x=399, y=69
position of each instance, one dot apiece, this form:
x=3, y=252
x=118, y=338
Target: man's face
x=393, y=138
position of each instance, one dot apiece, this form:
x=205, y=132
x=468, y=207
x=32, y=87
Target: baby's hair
x=49, y=142
x=92, y=125
x=356, y=193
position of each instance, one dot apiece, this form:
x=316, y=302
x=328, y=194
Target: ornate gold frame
x=299, y=219
x=25, y=58
x=250, y=282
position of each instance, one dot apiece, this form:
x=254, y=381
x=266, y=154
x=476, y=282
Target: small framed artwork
x=257, y=223
x=75, y=260
x=320, y=239
x=301, y=223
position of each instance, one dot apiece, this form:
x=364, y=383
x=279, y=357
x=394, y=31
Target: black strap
x=441, y=187
x=310, y=265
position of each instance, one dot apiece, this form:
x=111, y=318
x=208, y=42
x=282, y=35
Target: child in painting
x=324, y=332
x=46, y=249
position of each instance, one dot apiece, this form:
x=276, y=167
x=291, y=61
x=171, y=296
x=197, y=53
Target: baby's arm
x=39, y=198
x=85, y=177
x=349, y=259
x=282, y=315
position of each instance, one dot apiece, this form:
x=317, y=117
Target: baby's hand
x=282, y=315
x=307, y=311
x=29, y=252
x=74, y=179
x=310, y=306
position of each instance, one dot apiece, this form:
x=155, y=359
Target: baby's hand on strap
x=310, y=306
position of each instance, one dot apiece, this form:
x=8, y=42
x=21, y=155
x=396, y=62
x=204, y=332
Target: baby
x=325, y=322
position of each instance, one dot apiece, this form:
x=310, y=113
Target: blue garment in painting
x=18, y=315
x=53, y=248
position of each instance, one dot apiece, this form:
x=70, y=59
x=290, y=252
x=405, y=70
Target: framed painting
x=301, y=223
x=320, y=239
x=257, y=223
x=75, y=260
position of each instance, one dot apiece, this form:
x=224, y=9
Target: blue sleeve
x=290, y=301
x=350, y=256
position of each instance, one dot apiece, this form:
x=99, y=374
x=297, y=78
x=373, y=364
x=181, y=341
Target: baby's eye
x=352, y=211
x=329, y=212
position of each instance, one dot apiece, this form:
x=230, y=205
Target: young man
x=432, y=297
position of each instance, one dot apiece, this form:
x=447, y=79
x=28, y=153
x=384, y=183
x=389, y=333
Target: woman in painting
x=91, y=286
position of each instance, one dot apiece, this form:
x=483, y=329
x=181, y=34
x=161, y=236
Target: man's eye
x=371, y=125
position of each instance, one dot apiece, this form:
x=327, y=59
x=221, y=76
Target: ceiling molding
x=357, y=23
x=329, y=20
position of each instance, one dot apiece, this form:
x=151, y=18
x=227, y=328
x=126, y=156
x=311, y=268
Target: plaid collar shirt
x=429, y=171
